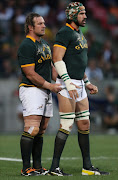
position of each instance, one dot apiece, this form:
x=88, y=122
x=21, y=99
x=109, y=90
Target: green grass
x=104, y=154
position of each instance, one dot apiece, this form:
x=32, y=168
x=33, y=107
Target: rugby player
x=34, y=56
x=70, y=60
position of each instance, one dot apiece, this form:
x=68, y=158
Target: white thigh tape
x=67, y=120
x=31, y=130
x=83, y=115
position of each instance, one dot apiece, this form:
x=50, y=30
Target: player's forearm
x=62, y=71
x=38, y=80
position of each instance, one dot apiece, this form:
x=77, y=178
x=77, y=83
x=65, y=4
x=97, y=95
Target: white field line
x=63, y=158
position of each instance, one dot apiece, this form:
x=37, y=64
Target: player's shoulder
x=64, y=33
x=27, y=42
x=65, y=29
x=27, y=45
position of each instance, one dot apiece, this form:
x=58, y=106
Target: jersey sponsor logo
x=42, y=51
x=80, y=38
x=47, y=57
x=82, y=42
x=40, y=60
x=77, y=47
x=38, y=51
x=82, y=46
x=48, y=49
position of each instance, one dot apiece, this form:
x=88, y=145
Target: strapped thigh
x=82, y=115
x=33, y=125
x=67, y=120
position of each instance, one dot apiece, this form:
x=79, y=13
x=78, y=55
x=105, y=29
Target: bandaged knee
x=66, y=121
x=33, y=130
x=33, y=126
x=82, y=115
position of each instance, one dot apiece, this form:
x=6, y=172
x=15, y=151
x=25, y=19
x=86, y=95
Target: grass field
x=104, y=154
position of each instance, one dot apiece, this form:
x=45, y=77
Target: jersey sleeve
x=62, y=39
x=26, y=55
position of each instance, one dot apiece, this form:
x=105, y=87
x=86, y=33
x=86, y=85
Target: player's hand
x=92, y=88
x=73, y=93
x=55, y=87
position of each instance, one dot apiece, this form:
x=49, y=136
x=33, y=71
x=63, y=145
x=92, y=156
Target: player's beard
x=79, y=24
x=39, y=35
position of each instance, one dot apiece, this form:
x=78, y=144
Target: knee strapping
x=67, y=120
x=33, y=131
x=83, y=115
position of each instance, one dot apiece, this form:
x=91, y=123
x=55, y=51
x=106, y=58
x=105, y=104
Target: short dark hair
x=30, y=21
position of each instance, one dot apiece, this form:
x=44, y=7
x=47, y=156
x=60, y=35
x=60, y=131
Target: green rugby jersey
x=32, y=52
x=76, y=48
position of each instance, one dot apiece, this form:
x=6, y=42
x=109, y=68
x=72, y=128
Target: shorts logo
x=40, y=107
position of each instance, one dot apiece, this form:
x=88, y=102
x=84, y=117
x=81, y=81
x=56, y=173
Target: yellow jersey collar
x=70, y=26
x=34, y=40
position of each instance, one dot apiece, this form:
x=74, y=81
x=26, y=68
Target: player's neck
x=74, y=26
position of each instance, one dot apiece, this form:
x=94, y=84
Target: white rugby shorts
x=81, y=91
x=36, y=101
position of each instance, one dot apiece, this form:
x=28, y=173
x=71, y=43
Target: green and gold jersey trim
x=30, y=85
x=30, y=37
x=26, y=65
x=23, y=84
x=60, y=46
x=70, y=26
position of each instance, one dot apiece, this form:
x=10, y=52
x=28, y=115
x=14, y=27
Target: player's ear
x=30, y=27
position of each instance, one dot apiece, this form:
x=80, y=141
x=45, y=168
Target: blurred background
x=101, y=32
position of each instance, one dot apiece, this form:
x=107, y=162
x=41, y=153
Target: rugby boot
x=93, y=171
x=58, y=172
x=29, y=172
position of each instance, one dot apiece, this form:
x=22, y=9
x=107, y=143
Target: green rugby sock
x=37, y=151
x=60, y=141
x=83, y=140
x=26, y=144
